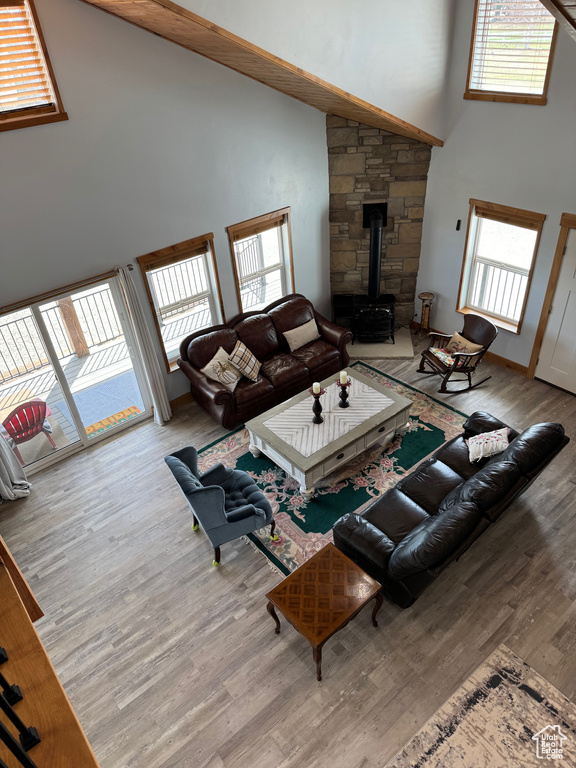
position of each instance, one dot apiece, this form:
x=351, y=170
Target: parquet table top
x=323, y=594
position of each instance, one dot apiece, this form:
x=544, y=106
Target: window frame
x=43, y=114
x=507, y=96
x=249, y=227
x=173, y=254
x=504, y=214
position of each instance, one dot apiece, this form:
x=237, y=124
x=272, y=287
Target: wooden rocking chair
x=476, y=329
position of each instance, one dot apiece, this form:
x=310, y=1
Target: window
x=501, y=247
x=511, y=51
x=183, y=290
x=28, y=91
x=261, y=251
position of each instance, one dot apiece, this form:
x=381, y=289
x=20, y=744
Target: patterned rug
x=504, y=716
x=303, y=526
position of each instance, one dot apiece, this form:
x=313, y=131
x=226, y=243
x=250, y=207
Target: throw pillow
x=301, y=335
x=245, y=361
x=487, y=444
x=459, y=344
x=221, y=370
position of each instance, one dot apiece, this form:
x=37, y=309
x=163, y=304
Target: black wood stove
x=370, y=317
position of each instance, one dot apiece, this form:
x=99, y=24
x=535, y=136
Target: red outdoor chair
x=25, y=422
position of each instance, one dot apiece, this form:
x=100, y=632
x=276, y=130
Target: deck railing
x=249, y=256
x=94, y=321
x=498, y=288
x=21, y=349
x=98, y=318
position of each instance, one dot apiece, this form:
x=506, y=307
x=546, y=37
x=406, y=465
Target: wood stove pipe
x=376, y=227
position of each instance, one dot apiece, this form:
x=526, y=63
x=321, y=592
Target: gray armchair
x=225, y=503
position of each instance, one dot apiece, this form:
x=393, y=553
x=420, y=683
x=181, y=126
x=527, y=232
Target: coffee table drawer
x=378, y=433
x=397, y=424
x=345, y=455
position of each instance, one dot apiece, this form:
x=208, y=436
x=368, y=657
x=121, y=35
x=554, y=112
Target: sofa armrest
x=365, y=538
x=204, y=386
x=334, y=334
x=480, y=422
x=534, y=448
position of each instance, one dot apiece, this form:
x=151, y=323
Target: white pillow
x=487, y=444
x=301, y=335
x=221, y=370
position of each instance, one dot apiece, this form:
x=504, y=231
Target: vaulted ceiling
x=175, y=23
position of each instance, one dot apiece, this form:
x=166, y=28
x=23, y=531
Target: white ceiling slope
x=392, y=53
x=404, y=70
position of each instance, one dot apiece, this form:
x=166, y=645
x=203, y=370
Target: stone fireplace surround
x=370, y=165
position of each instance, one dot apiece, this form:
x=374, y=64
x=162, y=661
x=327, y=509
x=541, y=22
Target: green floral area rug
x=304, y=527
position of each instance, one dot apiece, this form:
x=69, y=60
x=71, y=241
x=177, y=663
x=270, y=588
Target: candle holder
x=344, y=393
x=317, y=406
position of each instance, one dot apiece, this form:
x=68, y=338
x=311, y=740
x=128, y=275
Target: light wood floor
x=171, y=663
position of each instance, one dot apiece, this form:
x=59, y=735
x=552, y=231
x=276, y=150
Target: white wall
x=391, y=53
x=162, y=145
x=513, y=154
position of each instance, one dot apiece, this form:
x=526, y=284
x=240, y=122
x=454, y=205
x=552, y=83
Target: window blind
x=24, y=78
x=198, y=246
x=255, y=227
x=511, y=47
x=507, y=215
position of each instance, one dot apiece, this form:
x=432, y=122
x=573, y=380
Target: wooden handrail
x=25, y=593
x=45, y=705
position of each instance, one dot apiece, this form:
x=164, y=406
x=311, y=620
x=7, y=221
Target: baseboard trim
x=505, y=363
x=182, y=400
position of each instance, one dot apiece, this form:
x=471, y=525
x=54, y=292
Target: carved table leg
x=379, y=600
x=256, y=452
x=272, y=612
x=317, y=654
x=307, y=493
x=403, y=430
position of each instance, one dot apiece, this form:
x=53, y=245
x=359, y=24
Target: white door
x=557, y=362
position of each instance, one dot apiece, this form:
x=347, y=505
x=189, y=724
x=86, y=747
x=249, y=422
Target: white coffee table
x=308, y=452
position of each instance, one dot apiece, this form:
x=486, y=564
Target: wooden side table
x=427, y=297
x=322, y=596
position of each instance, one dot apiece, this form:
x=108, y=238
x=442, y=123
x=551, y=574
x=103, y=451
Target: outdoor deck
x=89, y=375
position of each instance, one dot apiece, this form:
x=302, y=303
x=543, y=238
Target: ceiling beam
x=564, y=11
x=171, y=21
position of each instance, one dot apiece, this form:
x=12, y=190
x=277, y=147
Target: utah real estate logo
x=549, y=743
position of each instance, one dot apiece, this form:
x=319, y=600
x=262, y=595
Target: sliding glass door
x=28, y=382
x=70, y=363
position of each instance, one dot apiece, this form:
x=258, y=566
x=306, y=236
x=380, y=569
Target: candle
x=316, y=388
x=343, y=378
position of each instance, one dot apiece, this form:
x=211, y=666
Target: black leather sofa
x=408, y=535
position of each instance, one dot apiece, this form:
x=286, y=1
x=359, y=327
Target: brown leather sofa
x=283, y=373
x=408, y=535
